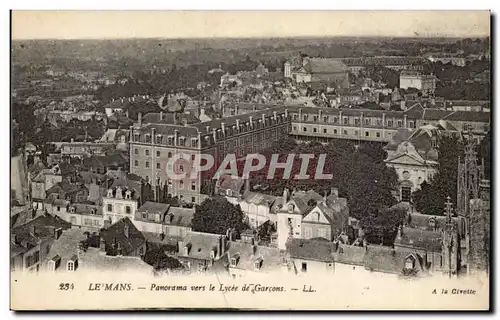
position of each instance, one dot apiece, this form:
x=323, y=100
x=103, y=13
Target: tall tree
x=217, y=215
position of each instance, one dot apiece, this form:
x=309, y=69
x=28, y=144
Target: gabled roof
x=116, y=233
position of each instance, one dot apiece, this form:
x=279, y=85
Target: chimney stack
x=275, y=116
x=335, y=192
x=285, y=195
x=126, y=231
x=207, y=128
x=102, y=244
x=223, y=127
x=139, y=119
x=251, y=121
x=161, y=115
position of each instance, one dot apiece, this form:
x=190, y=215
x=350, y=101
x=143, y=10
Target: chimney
x=263, y=119
x=214, y=133
x=275, y=116
x=247, y=184
x=238, y=124
x=222, y=246
x=403, y=105
x=161, y=115
x=334, y=191
x=126, y=231
x=250, y=119
x=286, y=113
x=254, y=247
x=207, y=128
x=32, y=230
x=223, y=127
x=236, y=110
x=285, y=195
x=176, y=136
x=102, y=244
x=139, y=119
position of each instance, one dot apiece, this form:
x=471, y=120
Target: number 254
x=66, y=286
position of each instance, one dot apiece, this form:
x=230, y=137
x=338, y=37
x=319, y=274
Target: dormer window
x=73, y=209
x=72, y=264
x=290, y=208
x=158, y=138
x=128, y=194
x=229, y=192
x=234, y=260
x=110, y=193
x=186, y=250
x=212, y=254
x=258, y=264
x=170, y=141
x=148, y=138
x=410, y=263
x=93, y=212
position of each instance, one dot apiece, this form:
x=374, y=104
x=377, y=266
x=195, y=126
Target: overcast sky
x=203, y=24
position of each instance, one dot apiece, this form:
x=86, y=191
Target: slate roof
x=316, y=250
x=259, y=198
x=421, y=239
x=116, y=234
x=422, y=221
x=154, y=207
x=65, y=247
x=168, y=118
x=269, y=258
x=200, y=244
x=389, y=260
x=86, y=209
x=324, y=65
x=94, y=260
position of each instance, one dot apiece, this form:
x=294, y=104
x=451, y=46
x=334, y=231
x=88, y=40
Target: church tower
x=468, y=180
x=450, y=249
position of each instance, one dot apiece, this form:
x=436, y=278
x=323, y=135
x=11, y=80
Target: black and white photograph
x=250, y=160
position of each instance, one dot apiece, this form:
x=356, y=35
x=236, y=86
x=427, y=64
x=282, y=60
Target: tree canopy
x=359, y=173
x=431, y=197
x=217, y=215
x=381, y=225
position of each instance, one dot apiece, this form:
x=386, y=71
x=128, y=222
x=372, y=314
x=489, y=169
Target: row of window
x=357, y=121
x=128, y=209
x=228, y=131
x=344, y=132
x=158, y=154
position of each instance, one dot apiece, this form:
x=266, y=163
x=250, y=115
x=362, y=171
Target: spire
x=449, y=211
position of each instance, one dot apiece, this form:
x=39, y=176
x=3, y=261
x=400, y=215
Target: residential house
x=119, y=202
x=245, y=258
x=161, y=218
x=123, y=239
x=258, y=207
x=31, y=242
x=86, y=217
x=327, y=220
x=76, y=251
x=74, y=192
x=198, y=250
x=311, y=70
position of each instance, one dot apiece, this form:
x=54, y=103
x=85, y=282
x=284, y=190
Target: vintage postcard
x=250, y=160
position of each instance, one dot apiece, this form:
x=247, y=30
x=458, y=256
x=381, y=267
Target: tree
x=160, y=261
x=484, y=152
x=217, y=215
x=381, y=225
x=430, y=199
